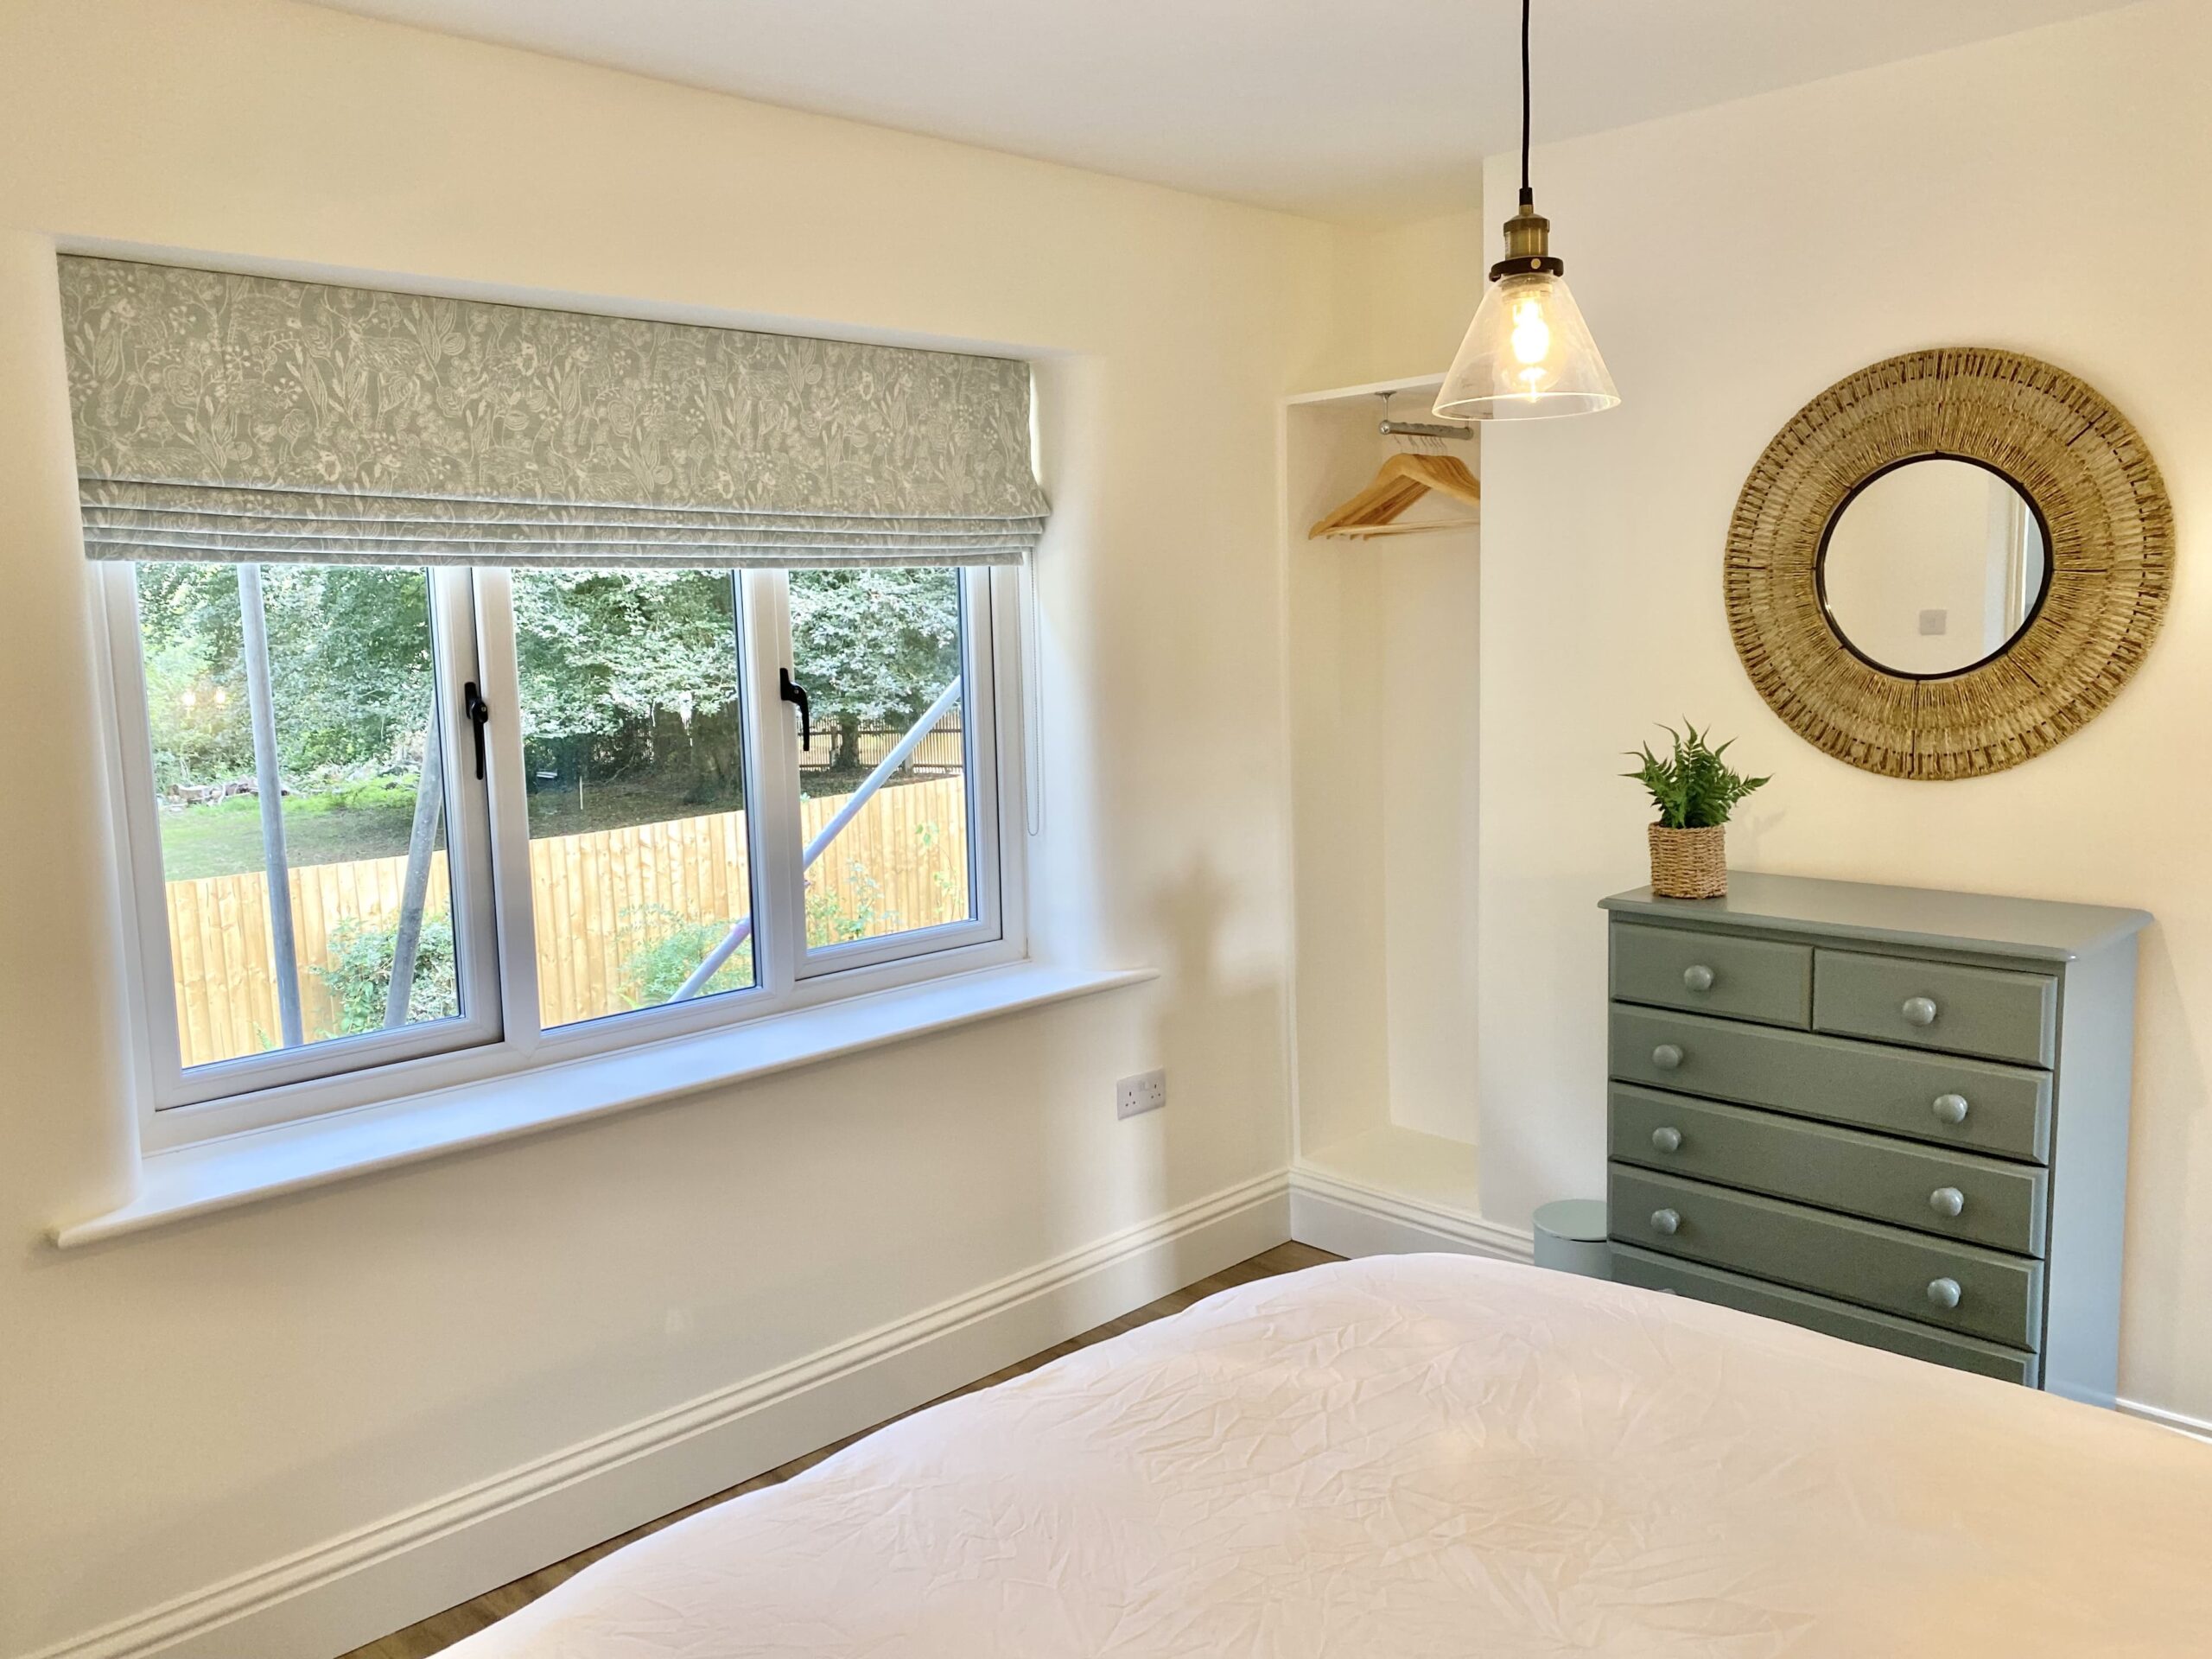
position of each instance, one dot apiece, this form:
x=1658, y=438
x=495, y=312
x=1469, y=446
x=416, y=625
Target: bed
x=1428, y=1455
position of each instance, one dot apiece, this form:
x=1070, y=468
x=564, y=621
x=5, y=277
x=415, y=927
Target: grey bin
x=1571, y=1237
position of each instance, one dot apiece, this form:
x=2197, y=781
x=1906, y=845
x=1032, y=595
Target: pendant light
x=1527, y=354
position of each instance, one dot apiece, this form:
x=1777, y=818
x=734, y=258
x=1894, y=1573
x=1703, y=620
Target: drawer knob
x=1665, y=1221
x=1697, y=978
x=1666, y=1056
x=1919, y=1010
x=1667, y=1139
x=1944, y=1292
x=1949, y=1108
x=1947, y=1201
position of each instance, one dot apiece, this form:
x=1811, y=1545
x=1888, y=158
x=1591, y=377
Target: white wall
x=1385, y=683
x=1381, y=669
x=1734, y=262
x=189, y=1404
x=1430, y=599
x=1407, y=293
x=1334, y=643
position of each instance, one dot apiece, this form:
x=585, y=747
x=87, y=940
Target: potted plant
x=1695, y=790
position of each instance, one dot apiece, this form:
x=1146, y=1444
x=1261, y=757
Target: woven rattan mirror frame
x=2111, y=551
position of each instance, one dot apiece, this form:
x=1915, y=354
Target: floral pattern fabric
x=251, y=418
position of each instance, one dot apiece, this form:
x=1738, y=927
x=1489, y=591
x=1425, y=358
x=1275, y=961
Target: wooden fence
x=223, y=954
x=944, y=748
x=618, y=911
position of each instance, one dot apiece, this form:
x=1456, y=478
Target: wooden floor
x=442, y=1630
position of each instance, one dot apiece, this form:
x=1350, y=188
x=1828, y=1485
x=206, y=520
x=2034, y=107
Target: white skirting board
x=2196, y=1428
x=350, y=1590
x=1351, y=1219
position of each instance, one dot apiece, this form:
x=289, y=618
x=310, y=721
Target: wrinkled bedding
x=1431, y=1456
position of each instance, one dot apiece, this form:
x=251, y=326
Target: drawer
x=1989, y=1011
x=1997, y=1203
x=1861, y=1325
x=1745, y=979
x=1997, y=1296
x=1974, y=1105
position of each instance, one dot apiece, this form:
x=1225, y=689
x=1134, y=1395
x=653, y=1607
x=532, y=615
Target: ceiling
x=1359, y=111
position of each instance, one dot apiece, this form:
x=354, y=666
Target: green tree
x=197, y=717
x=349, y=668
x=875, y=646
x=622, y=671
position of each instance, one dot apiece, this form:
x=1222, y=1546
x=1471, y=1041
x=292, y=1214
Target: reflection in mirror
x=1934, y=567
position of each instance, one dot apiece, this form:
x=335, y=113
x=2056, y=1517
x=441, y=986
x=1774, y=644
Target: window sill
x=314, y=1152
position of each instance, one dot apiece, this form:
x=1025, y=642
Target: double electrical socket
x=1144, y=1092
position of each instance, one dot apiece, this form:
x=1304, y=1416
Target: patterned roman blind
x=248, y=419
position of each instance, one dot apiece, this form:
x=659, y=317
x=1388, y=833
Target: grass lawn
x=374, y=820
x=224, y=838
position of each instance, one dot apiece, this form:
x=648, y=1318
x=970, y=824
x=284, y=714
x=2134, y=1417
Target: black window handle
x=791, y=691
x=479, y=711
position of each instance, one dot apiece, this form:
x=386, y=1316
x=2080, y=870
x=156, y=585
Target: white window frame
x=489, y=856
x=978, y=719
x=168, y=1084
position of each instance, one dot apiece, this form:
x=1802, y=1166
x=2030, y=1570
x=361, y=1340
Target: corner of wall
x=1403, y=295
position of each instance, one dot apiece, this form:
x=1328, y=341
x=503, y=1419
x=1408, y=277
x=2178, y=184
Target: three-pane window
x=394, y=827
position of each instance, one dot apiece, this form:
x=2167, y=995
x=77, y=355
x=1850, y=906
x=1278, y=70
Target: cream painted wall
x=1380, y=648
x=189, y=1404
x=1734, y=262
x=1407, y=293
x=1334, y=640
x=1384, y=681
x=1430, y=603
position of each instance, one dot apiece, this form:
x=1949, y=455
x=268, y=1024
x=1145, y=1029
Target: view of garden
x=633, y=754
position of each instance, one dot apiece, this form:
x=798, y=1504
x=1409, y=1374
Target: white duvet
x=1438, y=1456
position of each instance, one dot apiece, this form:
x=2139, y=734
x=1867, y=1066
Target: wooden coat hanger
x=1400, y=481
x=1403, y=479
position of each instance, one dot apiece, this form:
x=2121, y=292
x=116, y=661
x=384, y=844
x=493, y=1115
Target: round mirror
x=1933, y=567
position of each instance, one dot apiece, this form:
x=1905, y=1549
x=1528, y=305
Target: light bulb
x=1532, y=335
x=1527, y=354
x=1531, y=343
x=192, y=699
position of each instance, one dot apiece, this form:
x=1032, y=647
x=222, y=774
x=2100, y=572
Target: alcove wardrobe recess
x=1380, y=642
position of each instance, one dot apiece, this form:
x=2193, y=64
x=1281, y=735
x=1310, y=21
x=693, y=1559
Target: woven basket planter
x=1689, y=863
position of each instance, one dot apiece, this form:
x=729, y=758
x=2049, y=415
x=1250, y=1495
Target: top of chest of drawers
x=1845, y=912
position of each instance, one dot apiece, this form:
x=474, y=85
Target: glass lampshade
x=1528, y=355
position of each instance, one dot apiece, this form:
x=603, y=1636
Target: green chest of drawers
x=1896, y=1116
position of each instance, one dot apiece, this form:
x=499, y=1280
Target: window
x=633, y=759
x=392, y=827
x=882, y=654
x=302, y=823
x=500, y=684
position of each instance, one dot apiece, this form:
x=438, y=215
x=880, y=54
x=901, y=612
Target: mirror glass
x=1934, y=567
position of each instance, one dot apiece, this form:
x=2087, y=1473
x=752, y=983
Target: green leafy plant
x=837, y=918
x=662, y=948
x=1693, y=788
x=356, y=972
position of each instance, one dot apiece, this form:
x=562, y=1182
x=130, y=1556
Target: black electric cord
x=1528, y=195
